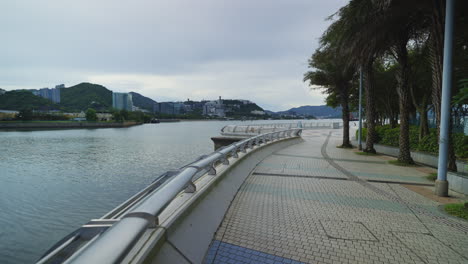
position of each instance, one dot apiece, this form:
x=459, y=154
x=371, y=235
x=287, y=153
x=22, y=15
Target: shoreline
x=15, y=126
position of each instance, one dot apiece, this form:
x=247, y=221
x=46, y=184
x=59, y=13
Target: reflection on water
x=54, y=181
x=51, y=182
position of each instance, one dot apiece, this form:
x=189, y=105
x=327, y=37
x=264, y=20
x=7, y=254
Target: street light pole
x=360, y=110
x=441, y=185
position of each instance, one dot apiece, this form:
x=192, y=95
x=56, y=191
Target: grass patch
x=366, y=153
x=403, y=164
x=432, y=176
x=458, y=210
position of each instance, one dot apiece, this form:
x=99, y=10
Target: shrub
x=91, y=115
x=430, y=143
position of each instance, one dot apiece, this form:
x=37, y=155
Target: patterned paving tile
x=347, y=230
x=429, y=248
x=314, y=220
x=221, y=252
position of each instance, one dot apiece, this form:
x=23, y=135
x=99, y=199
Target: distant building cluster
x=215, y=108
x=221, y=108
x=257, y=112
x=171, y=108
x=122, y=101
x=52, y=94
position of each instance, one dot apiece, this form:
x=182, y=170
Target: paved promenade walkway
x=315, y=203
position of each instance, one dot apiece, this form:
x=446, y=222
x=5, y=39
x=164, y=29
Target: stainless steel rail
x=112, y=245
x=256, y=129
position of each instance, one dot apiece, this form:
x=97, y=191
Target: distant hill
x=23, y=99
x=319, y=111
x=241, y=109
x=142, y=101
x=86, y=95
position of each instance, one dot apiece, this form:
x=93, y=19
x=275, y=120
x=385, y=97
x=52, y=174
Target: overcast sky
x=166, y=49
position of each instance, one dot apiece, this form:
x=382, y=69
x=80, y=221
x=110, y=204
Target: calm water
x=52, y=182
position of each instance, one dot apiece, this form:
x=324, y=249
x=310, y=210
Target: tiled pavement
x=315, y=203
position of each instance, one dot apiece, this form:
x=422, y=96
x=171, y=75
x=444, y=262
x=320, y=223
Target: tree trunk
x=392, y=120
x=421, y=108
x=370, y=106
x=452, y=160
x=404, y=102
x=423, y=123
x=344, y=98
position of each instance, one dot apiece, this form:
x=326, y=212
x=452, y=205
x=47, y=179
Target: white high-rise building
x=52, y=94
x=122, y=101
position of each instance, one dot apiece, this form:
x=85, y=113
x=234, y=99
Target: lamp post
x=441, y=185
x=360, y=110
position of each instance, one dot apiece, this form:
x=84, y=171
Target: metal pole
x=360, y=110
x=441, y=187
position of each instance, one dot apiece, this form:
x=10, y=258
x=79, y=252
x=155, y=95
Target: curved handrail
x=255, y=129
x=113, y=244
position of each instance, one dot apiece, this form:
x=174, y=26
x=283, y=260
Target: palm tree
x=387, y=101
x=359, y=42
x=329, y=74
x=401, y=22
x=420, y=84
x=367, y=29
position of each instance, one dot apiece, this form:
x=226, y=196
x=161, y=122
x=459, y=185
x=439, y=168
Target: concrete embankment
x=63, y=125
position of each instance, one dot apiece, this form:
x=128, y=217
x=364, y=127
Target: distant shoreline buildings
x=87, y=95
x=52, y=94
x=214, y=108
x=122, y=101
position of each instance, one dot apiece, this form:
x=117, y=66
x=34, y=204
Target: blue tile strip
x=220, y=252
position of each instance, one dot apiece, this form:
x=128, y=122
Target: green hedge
x=390, y=137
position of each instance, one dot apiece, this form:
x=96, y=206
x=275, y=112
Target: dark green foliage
x=430, y=143
x=91, y=115
x=124, y=115
x=25, y=115
x=243, y=110
x=29, y=115
x=139, y=116
x=86, y=95
x=117, y=116
x=317, y=110
x=462, y=96
x=460, y=143
x=22, y=99
x=142, y=101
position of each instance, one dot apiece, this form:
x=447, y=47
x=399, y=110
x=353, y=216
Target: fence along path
x=255, y=129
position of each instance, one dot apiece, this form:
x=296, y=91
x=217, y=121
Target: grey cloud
x=169, y=38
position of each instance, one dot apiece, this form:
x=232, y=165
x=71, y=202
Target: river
x=52, y=182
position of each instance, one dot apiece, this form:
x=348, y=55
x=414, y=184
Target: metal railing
x=256, y=129
x=124, y=225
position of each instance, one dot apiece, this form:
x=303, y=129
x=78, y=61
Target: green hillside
x=142, y=101
x=86, y=95
x=23, y=99
x=243, y=110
